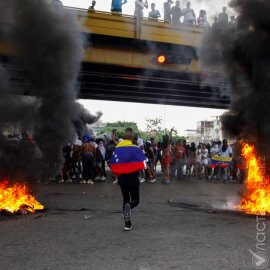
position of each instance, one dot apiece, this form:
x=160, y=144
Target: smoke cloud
x=244, y=54
x=84, y=118
x=49, y=48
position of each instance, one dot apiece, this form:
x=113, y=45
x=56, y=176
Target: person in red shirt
x=179, y=158
x=166, y=157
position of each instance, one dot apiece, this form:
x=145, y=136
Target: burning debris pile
x=243, y=54
x=48, y=49
x=16, y=199
x=256, y=198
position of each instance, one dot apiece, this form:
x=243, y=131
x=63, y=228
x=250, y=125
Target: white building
x=191, y=135
x=217, y=129
x=208, y=131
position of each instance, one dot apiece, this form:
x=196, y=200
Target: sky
x=181, y=118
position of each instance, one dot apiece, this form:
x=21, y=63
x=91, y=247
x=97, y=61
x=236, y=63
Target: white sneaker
x=142, y=180
x=97, y=178
x=103, y=178
x=80, y=176
x=83, y=182
x=74, y=176
x=69, y=181
x=90, y=182
x=153, y=180
x=115, y=181
x=61, y=181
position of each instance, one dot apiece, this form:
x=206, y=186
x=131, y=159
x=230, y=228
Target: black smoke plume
x=84, y=118
x=244, y=54
x=49, y=48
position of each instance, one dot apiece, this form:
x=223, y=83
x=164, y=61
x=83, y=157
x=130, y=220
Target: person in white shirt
x=189, y=15
x=204, y=160
x=204, y=155
x=139, y=6
x=224, y=151
x=214, y=152
x=214, y=149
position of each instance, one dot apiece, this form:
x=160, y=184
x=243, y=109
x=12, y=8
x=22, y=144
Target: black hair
x=128, y=130
x=165, y=141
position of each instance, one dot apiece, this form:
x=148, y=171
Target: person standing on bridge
x=92, y=7
x=154, y=14
x=139, y=6
x=176, y=13
x=167, y=11
x=189, y=15
x=117, y=6
x=223, y=19
x=126, y=162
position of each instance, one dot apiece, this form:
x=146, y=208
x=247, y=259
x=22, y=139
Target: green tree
x=154, y=126
x=120, y=126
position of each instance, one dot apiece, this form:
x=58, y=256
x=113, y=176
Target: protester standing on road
x=198, y=158
x=179, y=155
x=100, y=160
x=88, y=156
x=167, y=157
x=224, y=151
x=126, y=162
x=204, y=161
x=191, y=159
x=151, y=161
x=76, y=169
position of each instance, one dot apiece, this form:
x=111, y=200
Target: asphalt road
x=83, y=230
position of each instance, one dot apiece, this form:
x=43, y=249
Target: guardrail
x=105, y=23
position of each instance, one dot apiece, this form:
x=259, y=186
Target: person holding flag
x=222, y=161
x=126, y=162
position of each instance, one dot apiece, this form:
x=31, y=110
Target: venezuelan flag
x=127, y=158
x=224, y=162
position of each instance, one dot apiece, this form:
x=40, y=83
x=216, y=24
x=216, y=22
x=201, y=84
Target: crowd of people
x=131, y=160
x=173, y=13
x=89, y=159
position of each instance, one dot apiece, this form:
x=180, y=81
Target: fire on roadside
x=16, y=198
x=256, y=198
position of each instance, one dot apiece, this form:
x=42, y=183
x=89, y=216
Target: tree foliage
x=153, y=129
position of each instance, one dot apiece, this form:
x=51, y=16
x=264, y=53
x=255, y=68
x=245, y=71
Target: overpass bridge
x=121, y=62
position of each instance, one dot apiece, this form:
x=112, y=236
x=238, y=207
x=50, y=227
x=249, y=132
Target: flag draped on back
x=127, y=158
x=224, y=162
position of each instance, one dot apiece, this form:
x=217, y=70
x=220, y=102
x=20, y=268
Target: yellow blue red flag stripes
x=127, y=158
x=217, y=161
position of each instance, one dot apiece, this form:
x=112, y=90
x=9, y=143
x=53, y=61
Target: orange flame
x=256, y=199
x=17, y=197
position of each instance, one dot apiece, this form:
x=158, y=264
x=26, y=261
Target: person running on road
x=126, y=162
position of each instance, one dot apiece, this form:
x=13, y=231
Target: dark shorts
x=151, y=163
x=131, y=179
